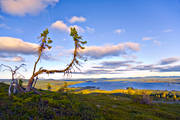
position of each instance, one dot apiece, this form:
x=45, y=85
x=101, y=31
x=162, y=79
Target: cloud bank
x=23, y=7
x=117, y=67
x=169, y=61
x=17, y=46
x=10, y=48
x=116, y=64
x=98, y=52
x=12, y=59
x=77, y=19
x=60, y=25
x=165, y=65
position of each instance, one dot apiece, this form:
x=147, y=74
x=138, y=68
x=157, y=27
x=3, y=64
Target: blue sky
x=126, y=38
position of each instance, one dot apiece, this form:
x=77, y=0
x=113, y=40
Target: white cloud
x=168, y=61
x=60, y=25
x=18, y=59
x=22, y=7
x=77, y=19
x=98, y=52
x=147, y=38
x=168, y=30
x=13, y=59
x=119, y=31
x=11, y=48
x=156, y=42
x=11, y=45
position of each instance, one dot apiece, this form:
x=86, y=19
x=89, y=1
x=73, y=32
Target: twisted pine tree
x=45, y=44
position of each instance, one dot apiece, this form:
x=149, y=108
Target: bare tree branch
x=8, y=67
x=18, y=67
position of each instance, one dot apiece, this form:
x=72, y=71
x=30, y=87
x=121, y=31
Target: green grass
x=69, y=106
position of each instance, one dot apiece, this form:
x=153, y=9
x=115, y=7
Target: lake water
x=108, y=85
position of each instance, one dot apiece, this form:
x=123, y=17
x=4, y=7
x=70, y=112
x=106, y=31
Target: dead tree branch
x=14, y=83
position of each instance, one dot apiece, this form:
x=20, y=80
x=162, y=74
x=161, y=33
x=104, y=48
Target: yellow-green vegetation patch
x=174, y=95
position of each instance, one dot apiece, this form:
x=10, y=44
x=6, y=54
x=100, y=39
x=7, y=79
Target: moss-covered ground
x=69, y=106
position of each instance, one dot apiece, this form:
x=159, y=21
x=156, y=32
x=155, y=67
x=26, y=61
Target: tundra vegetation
x=65, y=105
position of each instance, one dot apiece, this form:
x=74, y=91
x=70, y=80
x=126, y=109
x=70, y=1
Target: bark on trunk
x=10, y=87
x=15, y=86
x=30, y=83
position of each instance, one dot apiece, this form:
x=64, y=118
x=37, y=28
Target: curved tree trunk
x=30, y=83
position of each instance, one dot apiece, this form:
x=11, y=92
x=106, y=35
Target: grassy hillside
x=69, y=106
